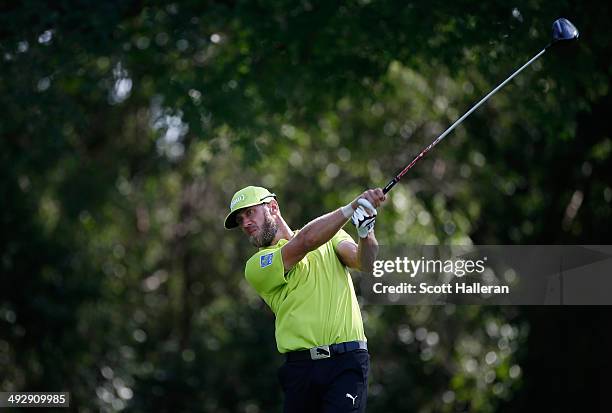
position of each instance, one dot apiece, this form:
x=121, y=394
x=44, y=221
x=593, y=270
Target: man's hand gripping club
x=323, y=228
x=364, y=217
x=362, y=211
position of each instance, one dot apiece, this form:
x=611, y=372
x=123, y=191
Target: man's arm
x=322, y=229
x=359, y=256
x=311, y=237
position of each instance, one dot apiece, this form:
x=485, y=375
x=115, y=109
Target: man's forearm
x=320, y=230
x=367, y=251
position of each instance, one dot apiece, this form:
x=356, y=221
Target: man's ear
x=273, y=205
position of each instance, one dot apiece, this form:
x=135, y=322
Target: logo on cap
x=236, y=200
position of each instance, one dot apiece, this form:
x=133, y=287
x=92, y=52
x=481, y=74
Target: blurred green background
x=127, y=125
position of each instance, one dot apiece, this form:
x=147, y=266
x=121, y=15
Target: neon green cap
x=246, y=197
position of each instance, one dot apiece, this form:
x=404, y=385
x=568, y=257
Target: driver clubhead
x=563, y=29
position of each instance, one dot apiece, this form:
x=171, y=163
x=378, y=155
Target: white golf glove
x=364, y=217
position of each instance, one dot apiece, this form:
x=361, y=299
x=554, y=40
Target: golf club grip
x=390, y=185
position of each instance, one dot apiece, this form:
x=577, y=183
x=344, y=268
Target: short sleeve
x=340, y=236
x=265, y=271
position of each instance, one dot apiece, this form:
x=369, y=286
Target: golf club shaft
x=395, y=180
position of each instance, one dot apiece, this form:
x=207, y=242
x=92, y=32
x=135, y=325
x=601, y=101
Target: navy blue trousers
x=335, y=385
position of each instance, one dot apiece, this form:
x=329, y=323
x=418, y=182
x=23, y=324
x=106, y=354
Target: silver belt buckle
x=320, y=352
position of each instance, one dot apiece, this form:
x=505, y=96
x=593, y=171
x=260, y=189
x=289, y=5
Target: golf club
x=562, y=30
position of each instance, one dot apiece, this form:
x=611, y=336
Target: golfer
x=302, y=275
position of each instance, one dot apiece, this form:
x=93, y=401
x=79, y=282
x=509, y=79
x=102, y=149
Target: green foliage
x=127, y=126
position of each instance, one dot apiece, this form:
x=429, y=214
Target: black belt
x=325, y=352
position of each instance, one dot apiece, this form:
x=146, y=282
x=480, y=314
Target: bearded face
x=267, y=232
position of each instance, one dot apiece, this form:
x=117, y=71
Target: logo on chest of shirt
x=266, y=260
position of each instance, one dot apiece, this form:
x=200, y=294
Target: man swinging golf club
x=303, y=277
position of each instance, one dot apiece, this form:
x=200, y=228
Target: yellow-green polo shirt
x=314, y=302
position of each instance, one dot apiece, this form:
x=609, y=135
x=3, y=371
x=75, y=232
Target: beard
x=267, y=234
